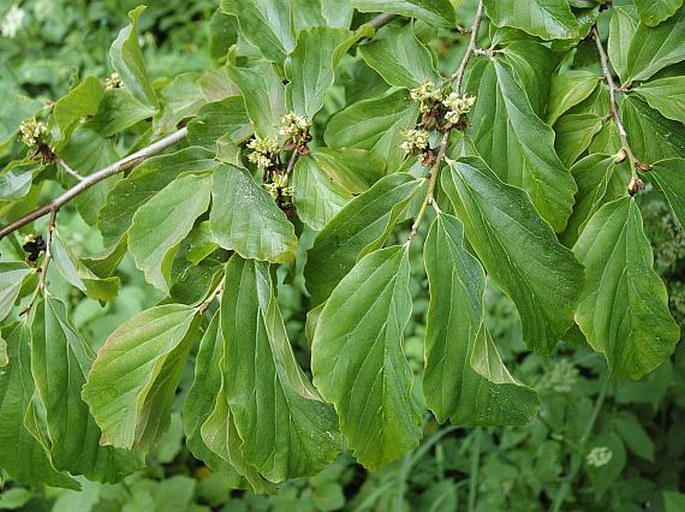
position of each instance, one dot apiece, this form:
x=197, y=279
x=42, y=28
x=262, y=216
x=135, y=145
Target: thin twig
x=457, y=78
x=292, y=161
x=68, y=169
x=606, y=71
x=216, y=293
x=122, y=165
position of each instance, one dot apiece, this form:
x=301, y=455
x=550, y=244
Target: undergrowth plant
x=511, y=141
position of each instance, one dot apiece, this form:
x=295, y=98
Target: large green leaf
x=60, y=361
x=264, y=96
x=438, y=12
x=181, y=99
x=358, y=360
x=669, y=175
x=363, y=221
x=456, y=336
x=653, y=12
x=21, y=454
x=354, y=169
x=287, y=430
x=567, y=90
x=599, y=180
x=146, y=180
x=652, y=137
x=654, y=48
x=127, y=59
x=83, y=100
x=132, y=384
x=310, y=67
x=225, y=118
x=667, y=95
x=624, y=22
x=518, y=145
x=375, y=124
x=244, y=218
x=265, y=24
x=164, y=221
x=548, y=19
x=12, y=274
x=518, y=249
x=574, y=134
x=623, y=309
x=317, y=197
x=321, y=13
x=400, y=58
x=199, y=401
x=119, y=110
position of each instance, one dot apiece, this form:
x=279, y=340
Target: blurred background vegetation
x=596, y=444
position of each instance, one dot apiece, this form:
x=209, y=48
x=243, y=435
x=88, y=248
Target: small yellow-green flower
x=415, y=141
x=426, y=94
x=457, y=106
x=264, y=150
x=31, y=131
x=294, y=127
x=114, y=81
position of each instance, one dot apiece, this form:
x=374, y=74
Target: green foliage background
x=514, y=468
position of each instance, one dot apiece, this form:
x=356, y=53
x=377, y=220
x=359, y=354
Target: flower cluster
x=12, y=22
x=279, y=189
x=264, y=151
x=562, y=378
x=114, y=81
x=295, y=128
x=427, y=95
x=457, y=106
x=599, y=456
x=415, y=142
x=31, y=131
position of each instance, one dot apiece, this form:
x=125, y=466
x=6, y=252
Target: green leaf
x=624, y=22
x=547, y=19
x=60, y=360
x=669, y=175
x=599, y=181
x=567, y=90
x=652, y=49
x=574, y=134
x=364, y=220
x=265, y=24
x=400, y=58
x=652, y=137
x=375, y=124
x=146, y=180
x=436, y=12
x=264, y=96
x=119, y=110
x=518, y=145
x=653, y=12
x=287, y=430
x=164, y=221
x=16, y=178
x=673, y=501
x=314, y=13
x=127, y=59
x=199, y=401
x=132, y=384
x=244, y=218
x=80, y=276
x=83, y=100
x=634, y=435
x=12, y=274
x=317, y=197
x=358, y=361
x=458, y=344
x=310, y=67
x=21, y=455
x=518, y=249
x=181, y=98
x=4, y=359
x=623, y=310
x=667, y=95
x=225, y=118
x=355, y=169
